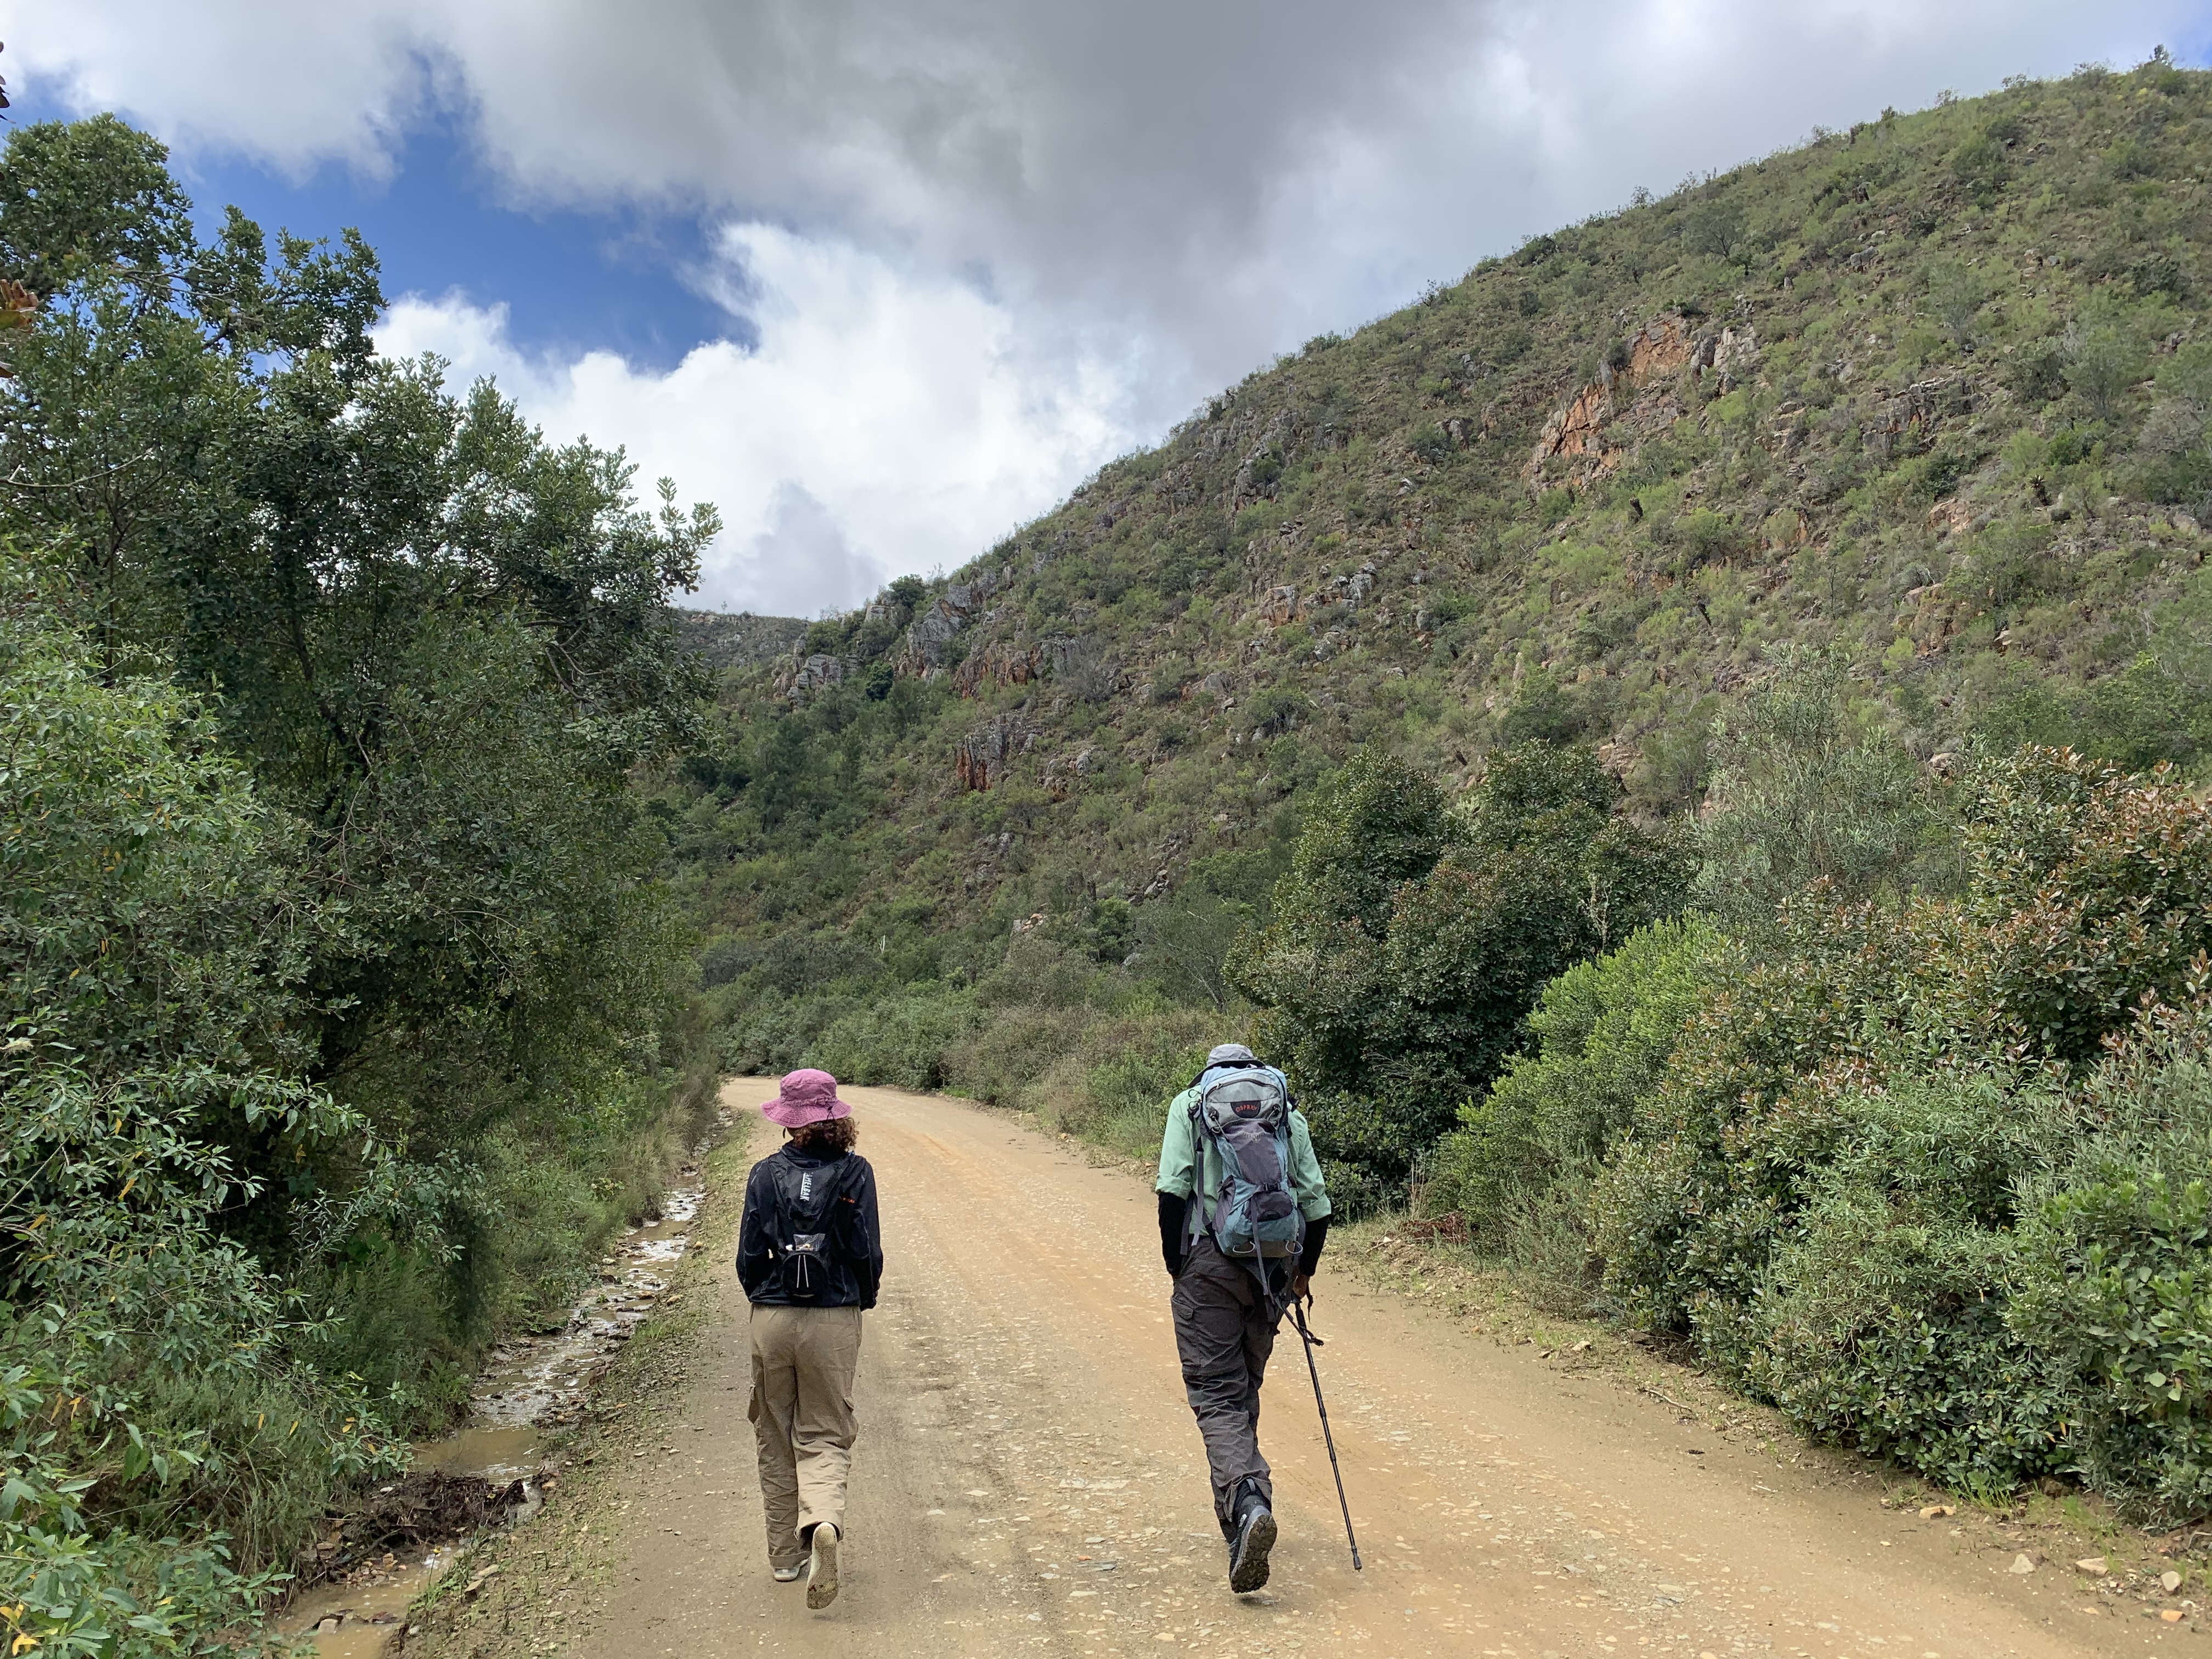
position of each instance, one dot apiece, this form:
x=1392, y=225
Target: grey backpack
x=1245, y=1112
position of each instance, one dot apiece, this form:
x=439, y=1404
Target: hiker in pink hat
x=810, y=1255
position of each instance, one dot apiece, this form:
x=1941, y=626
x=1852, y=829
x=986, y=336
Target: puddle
x=354, y=1621
x=493, y=1452
x=531, y=1385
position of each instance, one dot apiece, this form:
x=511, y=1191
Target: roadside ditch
x=540, y=1404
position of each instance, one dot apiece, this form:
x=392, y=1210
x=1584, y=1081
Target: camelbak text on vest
x=806, y=1250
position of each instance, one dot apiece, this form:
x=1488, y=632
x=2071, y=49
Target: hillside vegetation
x=1681, y=741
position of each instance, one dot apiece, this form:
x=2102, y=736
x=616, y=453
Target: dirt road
x=1027, y=1480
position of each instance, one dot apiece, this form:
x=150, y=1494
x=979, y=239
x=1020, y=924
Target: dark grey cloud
x=1157, y=196
x=1216, y=177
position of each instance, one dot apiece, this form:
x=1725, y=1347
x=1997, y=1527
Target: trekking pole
x=1311, y=1341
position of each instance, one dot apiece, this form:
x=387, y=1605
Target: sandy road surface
x=1029, y=1481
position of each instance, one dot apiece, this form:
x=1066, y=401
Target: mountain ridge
x=1924, y=394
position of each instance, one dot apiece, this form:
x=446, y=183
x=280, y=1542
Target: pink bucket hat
x=805, y=1097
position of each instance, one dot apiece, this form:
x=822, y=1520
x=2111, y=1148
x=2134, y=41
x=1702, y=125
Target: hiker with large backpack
x=810, y=1257
x=1243, y=1213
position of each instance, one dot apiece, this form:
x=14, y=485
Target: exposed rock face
x=808, y=676
x=984, y=756
x=998, y=664
x=1735, y=355
x=942, y=620
x=1068, y=661
x=1664, y=350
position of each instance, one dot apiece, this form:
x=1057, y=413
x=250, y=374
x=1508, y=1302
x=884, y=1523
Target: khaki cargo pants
x=802, y=1415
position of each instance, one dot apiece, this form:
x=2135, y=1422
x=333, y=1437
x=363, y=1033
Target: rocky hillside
x=1931, y=394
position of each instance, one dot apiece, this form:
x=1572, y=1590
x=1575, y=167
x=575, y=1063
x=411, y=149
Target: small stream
x=531, y=1387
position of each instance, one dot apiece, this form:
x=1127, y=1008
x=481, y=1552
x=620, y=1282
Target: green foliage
x=1409, y=943
x=1603, y=1031
x=1805, y=792
x=343, y=1019
x=1882, y=1324
x=148, y=938
x=1186, y=939
x=2117, y=1278
x=1832, y=1188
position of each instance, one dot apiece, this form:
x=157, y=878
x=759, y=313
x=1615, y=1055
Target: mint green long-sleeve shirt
x=1182, y=1150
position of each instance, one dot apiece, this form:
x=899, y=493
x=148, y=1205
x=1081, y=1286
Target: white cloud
x=1014, y=235
x=888, y=421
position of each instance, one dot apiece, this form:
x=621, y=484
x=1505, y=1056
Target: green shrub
x=2117, y=1264
x=904, y=1042
x=1882, y=1320
x=1833, y=1188
x=1604, y=1032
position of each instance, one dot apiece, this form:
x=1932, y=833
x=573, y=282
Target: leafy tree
x=152, y=956
x=1409, y=942
x=440, y=643
x=316, y=980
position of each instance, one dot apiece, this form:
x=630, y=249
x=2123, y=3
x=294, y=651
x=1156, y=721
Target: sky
x=884, y=279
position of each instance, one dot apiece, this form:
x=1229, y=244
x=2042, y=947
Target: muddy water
x=533, y=1385
x=353, y=1620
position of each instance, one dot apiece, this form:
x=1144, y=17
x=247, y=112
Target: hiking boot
x=1254, y=1535
x=822, y=1567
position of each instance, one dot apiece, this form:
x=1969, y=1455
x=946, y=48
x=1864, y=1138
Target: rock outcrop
x=957, y=608
x=986, y=755
x=1638, y=389
x=809, y=674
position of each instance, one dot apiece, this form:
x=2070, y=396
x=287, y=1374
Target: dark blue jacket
x=856, y=1248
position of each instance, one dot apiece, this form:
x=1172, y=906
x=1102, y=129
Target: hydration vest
x=805, y=1194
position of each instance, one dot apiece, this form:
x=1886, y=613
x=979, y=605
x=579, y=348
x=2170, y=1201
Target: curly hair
x=827, y=1138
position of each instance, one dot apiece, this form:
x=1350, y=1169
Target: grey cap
x=1231, y=1054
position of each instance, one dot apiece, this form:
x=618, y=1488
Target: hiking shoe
x=822, y=1568
x=1248, y=1547
x=786, y=1575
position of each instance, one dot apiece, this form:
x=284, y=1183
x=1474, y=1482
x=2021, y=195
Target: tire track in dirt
x=1028, y=1480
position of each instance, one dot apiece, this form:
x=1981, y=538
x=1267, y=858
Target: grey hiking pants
x=802, y=1411
x=1224, y=1334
